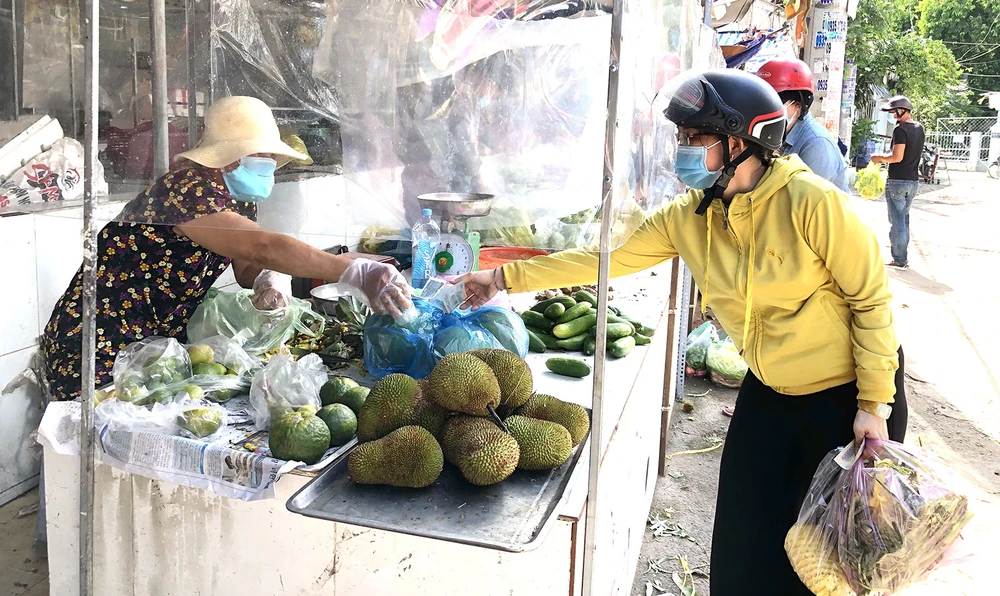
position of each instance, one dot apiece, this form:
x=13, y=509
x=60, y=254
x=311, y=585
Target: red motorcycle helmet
x=787, y=75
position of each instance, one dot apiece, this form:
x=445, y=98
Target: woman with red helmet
x=805, y=136
x=797, y=281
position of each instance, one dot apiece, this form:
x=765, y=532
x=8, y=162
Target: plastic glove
x=271, y=290
x=380, y=286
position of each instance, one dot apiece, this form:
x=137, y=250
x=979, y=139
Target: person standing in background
x=804, y=136
x=904, y=178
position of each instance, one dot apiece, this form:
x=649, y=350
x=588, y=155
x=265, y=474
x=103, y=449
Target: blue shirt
x=816, y=147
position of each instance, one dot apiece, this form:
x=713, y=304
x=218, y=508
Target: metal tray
x=513, y=516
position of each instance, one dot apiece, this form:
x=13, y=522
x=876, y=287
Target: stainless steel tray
x=513, y=516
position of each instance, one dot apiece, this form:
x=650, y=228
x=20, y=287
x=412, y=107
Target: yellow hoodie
x=814, y=310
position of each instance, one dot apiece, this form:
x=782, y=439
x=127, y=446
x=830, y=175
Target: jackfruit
x=512, y=373
x=407, y=457
x=464, y=383
x=460, y=426
x=483, y=453
x=544, y=445
x=572, y=417
x=428, y=414
x=389, y=406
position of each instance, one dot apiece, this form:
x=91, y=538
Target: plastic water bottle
x=425, y=237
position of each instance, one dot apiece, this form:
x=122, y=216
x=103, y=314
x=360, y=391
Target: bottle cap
x=428, y=213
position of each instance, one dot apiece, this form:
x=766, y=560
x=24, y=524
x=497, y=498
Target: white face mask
x=791, y=114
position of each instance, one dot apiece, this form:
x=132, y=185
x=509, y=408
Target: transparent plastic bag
x=285, y=384
x=696, y=349
x=725, y=365
x=874, y=523
x=871, y=182
x=221, y=368
x=199, y=419
x=232, y=314
x=503, y=324
x=155, y=369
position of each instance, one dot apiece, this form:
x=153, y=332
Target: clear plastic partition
x=506, y=99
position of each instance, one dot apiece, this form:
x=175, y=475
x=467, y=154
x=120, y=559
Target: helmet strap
x=728, y=171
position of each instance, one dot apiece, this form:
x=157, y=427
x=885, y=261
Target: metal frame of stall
x=680, y=277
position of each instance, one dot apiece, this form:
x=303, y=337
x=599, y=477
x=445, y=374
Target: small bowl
x=325, y=298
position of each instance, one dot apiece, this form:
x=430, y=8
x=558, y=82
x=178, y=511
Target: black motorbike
x=993, y=170
x=928, y=164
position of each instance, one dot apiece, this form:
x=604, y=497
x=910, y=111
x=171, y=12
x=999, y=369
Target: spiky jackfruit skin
x=464, y=383
x=513, y=375
x=428, y=414
x=389, y=406
x=544, y=445
x=459, y=426
x=571, y=416
x=408, y=457
x=816, y=562
x=482, y=452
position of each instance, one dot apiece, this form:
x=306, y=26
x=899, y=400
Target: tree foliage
x=971, y=29
x=888, y=50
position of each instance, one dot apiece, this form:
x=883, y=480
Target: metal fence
x=963, y=143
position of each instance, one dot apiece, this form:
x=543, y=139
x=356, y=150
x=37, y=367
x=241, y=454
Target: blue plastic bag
x=414, y=348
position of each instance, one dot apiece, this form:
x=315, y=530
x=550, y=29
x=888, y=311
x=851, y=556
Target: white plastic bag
x=220, y=385
x=54, y=175
x=155, y=369
x=286, y=384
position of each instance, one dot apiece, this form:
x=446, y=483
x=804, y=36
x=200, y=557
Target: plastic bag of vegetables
x=725, y=365
x=696, y=349
x=155, y=369
x=871, y=182
x=875, y=519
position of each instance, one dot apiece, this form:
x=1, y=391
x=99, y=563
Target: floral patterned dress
x=150, y=279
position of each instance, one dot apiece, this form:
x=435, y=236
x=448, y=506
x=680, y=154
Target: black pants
x=773, y=448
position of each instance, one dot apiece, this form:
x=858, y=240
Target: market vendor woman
x=797, y=281
x=169, y=245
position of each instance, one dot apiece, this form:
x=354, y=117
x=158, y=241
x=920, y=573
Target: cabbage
x=870, y=183
x=725, y=366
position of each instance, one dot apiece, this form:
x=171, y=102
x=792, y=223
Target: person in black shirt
x=901, y=188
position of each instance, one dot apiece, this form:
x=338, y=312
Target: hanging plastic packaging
x=232, y=314
x=874, y=523
x=871, y=182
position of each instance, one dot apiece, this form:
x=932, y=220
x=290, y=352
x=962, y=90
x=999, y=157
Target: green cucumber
x=566, y=301
x=615, y=310
x=574, y=312
x=585, y=296
x=551, y=342
x=554, y=311
x=573, y=344
x=535, y=343
x=568, y=367
x=574, y=327
x=615, y=331
x=641, y=340
x=639, y=327
x=620, y=320
x=620, y=348
x=536, y=320
x=589, y=346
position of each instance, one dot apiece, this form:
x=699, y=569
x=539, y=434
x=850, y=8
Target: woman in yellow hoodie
x=797, y=281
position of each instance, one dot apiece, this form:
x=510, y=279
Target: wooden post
x=670, y=384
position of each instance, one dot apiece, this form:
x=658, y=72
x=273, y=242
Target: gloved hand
x=380, y=286
x=271, y=290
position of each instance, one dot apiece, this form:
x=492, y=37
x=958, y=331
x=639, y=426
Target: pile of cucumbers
x=569, y=323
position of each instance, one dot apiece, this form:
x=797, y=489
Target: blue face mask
x=252, y=180
x=692, y=169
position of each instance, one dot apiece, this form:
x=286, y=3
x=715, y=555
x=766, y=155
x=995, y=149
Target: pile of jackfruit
x=476, y=411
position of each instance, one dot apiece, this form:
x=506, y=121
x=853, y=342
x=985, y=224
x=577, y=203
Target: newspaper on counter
x=225, y=465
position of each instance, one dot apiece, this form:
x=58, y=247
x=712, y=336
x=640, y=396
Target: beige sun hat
x=236, y=127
